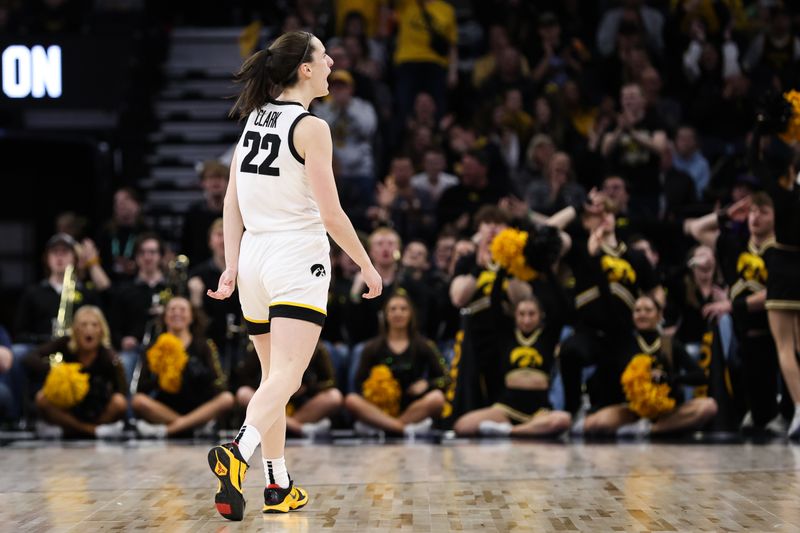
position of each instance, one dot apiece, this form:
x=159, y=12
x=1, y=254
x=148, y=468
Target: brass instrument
x=178, y=275
x=62, y=324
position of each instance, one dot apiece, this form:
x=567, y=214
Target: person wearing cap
x=38, y=307
x=200, y=216
x=354, y=125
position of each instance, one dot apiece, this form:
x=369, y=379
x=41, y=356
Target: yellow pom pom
x=645, y=398
x=66, y=386
x=792, y=133
x=382, y=390
x=167, y=358
x=507, y=250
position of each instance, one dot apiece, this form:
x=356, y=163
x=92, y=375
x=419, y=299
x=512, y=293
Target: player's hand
x=227, y=283
x=373, y=281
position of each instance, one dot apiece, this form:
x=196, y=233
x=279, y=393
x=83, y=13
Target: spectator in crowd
x=458, y=204
x=138, y=303
x=774, y=54
x=485, y=65
x=403, y=207
x=558, y=188
x=425, y=57
x=688, y=158
x=38, y=307
x=434, y=179
x=86, y=400
x=214, y=181
x=400, y=377
x=559, y=59
x=221, y=314
x=632, y=148
x=116, y=239
x=353, y=125
x=537, y=158
x=632, y=19
x=667, y=110
x=182, y=386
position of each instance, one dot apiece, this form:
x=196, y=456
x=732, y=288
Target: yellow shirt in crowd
x=370, y=9
x=413, y=37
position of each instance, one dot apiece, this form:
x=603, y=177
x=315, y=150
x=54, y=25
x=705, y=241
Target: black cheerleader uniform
x=527, y=354
x=744, y=268
x=202, y=379
x=670, y=357
x=605, y=291
x=421, y=360
x=106, y=376
x=783, y=283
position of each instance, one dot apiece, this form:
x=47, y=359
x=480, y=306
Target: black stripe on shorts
x=300, y=313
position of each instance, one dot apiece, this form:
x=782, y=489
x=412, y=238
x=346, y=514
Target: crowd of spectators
x=624, y=125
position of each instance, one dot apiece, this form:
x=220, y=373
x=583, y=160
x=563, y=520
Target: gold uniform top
x=413, y=36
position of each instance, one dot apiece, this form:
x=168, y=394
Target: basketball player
x=282, y=192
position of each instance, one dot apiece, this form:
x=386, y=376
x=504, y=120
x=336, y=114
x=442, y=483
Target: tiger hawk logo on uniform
x=752, y=267
x=618, y=269
x=318, y=270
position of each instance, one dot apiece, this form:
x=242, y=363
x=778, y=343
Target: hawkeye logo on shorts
x=318, y=270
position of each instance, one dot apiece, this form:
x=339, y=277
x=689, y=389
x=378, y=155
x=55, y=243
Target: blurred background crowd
x=617, y=133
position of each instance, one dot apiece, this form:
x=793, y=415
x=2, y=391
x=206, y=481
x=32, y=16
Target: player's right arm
x=232, y=228
x=312, y=139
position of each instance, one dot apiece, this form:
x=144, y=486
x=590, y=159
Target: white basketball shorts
x=283, y=274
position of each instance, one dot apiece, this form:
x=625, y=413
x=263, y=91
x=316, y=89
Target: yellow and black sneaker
x=278, y=500
x=230, y=467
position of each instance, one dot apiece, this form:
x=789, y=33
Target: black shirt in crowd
x=194, y=240
x=216, y=311
x=131, y=310
x=38, y=308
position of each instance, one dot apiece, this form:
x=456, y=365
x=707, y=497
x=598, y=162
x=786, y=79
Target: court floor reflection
x=456, y=486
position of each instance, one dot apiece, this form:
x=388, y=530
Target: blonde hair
x=384, y=231
x=105, y=340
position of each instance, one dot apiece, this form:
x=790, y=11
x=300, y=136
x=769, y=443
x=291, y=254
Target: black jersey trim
x=291, y=137
x=284, y=102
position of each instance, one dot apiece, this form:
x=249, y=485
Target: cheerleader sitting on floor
x=182, y=385
x=83, y=390
x=658, y=368
x=400, y=377
x=527, y=355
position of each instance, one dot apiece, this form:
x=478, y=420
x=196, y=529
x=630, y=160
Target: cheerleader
x=523, y=409
x=668, y=367
x=309, y=408
x=182, y=385
x=84, y=382
x=400, y=378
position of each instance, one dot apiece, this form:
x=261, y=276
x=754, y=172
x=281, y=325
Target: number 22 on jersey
x=270, y=143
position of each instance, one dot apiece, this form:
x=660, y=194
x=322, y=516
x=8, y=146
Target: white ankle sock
x=275, y=472
x=247, y=440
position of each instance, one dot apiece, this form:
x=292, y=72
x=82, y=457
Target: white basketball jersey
x=271, y=177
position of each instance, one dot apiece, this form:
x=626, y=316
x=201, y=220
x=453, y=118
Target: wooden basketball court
x=455, y=485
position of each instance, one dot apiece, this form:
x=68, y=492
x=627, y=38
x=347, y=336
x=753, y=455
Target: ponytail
x=269, y=70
